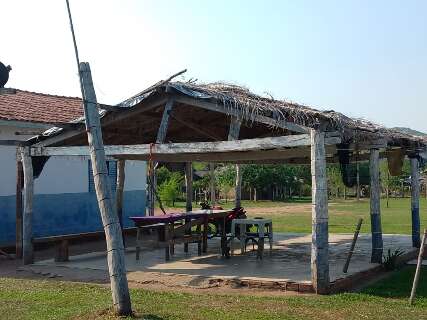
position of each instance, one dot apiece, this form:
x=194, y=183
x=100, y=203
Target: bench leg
x=187, y=232
x=167, y=236
x=62, y=251
x=205, y=234
x=270, y=237
x=261, y=233
x=199, y=243
x=242, y=238
x=138, y=239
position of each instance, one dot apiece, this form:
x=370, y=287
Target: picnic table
x=177, y=228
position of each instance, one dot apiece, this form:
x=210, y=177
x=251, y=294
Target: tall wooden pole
x=233, y=134
x=19, y=209
x=189, y=186
x=377, y=237
x=27, y=224
x=110, y=220
x=320, y=233
x=418, y=269
x=415, y=202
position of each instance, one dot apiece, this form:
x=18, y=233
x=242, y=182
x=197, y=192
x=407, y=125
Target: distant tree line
x=279, y=182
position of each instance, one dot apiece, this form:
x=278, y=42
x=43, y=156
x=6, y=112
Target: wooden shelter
x=186, y=122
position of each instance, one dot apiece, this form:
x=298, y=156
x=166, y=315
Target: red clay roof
x=39, y=107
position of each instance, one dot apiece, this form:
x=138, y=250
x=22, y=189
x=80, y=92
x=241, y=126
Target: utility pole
x=110, y=220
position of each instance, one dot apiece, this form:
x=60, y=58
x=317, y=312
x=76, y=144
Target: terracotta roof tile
x=39, y=107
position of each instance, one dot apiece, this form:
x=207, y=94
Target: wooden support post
x=418, y=269
x=120, y=185
x=357, y=181
x=110, y=220
x=377, y=237
x=233, y=134
x=415, y=202
x=19, y=209
x=189, y=186
x=319, y=245
x=238, y=186
x=212, y=183
x=27, y=223
x=161, y=136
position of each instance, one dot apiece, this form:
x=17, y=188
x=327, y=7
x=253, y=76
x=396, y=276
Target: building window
x=112, y=174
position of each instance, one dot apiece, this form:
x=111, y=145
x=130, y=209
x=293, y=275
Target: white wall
x=8, y=170
x=60, y=174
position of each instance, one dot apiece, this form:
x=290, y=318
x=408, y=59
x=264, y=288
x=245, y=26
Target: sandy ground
x=147, y=280
x=173, y=277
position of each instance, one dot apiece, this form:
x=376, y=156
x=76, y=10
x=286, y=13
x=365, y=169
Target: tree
x=335, y=183
x=225, y=178
x=170, y=189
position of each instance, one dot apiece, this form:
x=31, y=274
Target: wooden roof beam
x=257, y=118
x=174, y=149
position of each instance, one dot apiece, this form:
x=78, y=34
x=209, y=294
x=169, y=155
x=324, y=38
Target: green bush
x=170, y=189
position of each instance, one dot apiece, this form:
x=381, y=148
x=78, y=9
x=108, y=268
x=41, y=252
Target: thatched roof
x=235, y=97
x=240, y=100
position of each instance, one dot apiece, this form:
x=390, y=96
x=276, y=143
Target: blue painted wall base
x=56, y=214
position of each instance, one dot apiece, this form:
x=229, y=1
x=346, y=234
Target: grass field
x=31, y=299
x=343, y=215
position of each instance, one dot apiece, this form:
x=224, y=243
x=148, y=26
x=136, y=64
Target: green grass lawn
x=31, y=299
x=343, y=215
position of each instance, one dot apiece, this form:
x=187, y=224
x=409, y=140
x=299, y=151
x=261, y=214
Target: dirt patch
x=285, y=210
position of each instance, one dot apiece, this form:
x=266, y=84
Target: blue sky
x=364, y=58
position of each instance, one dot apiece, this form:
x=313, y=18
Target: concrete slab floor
x=289, y=260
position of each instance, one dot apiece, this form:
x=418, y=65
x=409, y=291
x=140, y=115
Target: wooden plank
x=27, y=217
x=110, y=220
x=19, y=208
x=188, y=148
x=161, y=134
x=233, y=134
x=375, y=208
x=13, y=143
x=415, y=202
x=353, y=244
x=189, y=186
x=319, y=245
x=235, y=113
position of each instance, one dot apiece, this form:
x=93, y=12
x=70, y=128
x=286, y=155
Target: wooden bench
x=62, y=241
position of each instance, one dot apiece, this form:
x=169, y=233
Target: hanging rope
x=151, y=173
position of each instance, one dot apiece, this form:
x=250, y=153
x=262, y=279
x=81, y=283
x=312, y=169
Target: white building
x=65, y=200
